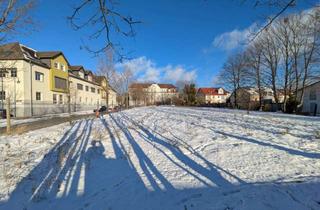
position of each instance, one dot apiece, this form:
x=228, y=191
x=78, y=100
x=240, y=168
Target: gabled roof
x=11, y=51
x=146, y=85
x=99, y=79
x=211, y=91
x=168, y=86
x=311, y=84
x=140, y=85
x=50, y=55
x=17, y=51
x=87, y=72
x=76, y=68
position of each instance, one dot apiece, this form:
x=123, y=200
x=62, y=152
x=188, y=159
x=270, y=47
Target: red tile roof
x=211, y=91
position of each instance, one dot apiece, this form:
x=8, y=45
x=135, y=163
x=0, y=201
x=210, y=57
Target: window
x=62, y=67
x=2, y=95
x=3, y=72
x=60, y=99
x=98, y=91
x=93, y=90
x=313, y=94
x=79, y=86
x=80, y=99
x=38, y=96
x=56, y=65
x=81, y=74
x=87, y=88
x=39, y=76
x=60, y=83
x=13, y=72
x=54, y=99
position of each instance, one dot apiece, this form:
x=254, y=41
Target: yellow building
x=58, y=75
x=37, y=82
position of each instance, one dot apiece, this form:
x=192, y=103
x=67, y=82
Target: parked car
x=102, y=109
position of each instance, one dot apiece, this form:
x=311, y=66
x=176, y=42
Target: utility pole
x=31, y=102
x=15, y=97
x=8, y=116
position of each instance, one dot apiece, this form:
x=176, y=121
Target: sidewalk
x=38, y=123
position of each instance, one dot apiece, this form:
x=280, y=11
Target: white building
x=141, y=94
x=85, y=93
x=30, y=80
x=212, y=95
x=43, y=82
x=311, y=98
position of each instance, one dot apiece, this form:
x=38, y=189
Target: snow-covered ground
x=165, y=158
x=3, y=122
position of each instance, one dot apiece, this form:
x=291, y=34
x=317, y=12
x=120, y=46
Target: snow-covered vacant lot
x=165, y=158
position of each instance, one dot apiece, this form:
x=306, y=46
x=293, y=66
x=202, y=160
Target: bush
x=291, y=105
x=267, y=108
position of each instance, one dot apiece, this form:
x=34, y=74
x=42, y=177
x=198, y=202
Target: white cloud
x=178, y=73
x=151, y=75
x=234, y=39
x=146, y=70
x=137, y=65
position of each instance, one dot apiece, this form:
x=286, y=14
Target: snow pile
x=166, y=158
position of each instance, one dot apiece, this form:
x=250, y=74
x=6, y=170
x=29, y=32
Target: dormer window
x=62, y=67
x=81, y=74
x=56, y=65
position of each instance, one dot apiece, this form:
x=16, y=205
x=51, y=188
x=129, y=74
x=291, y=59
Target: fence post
x=8, y=116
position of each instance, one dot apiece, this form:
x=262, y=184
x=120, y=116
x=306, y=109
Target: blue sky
x=178, y=39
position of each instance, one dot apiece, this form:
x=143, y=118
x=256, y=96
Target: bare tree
x=14, y=17
x=253, y=59
x=233, y=74
x=284, y=35
x=139, y=96
x=102, y=17
x=270, y=59
x=106, y=68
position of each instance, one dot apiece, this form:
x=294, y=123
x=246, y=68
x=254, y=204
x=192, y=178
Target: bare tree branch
x=105, y=23
x=14, y=17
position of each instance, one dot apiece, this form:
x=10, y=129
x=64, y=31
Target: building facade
x=108, y=94
x=85, y=93
x=212, y=95
x=143, y=94
x=43, y=82
x=311, y=98
x=248, y=97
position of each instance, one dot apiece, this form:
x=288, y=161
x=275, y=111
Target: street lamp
x=15, y=96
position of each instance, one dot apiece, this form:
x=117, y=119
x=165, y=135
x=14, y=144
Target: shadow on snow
x=79, y=173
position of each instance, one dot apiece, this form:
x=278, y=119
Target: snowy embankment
x=165, y=158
